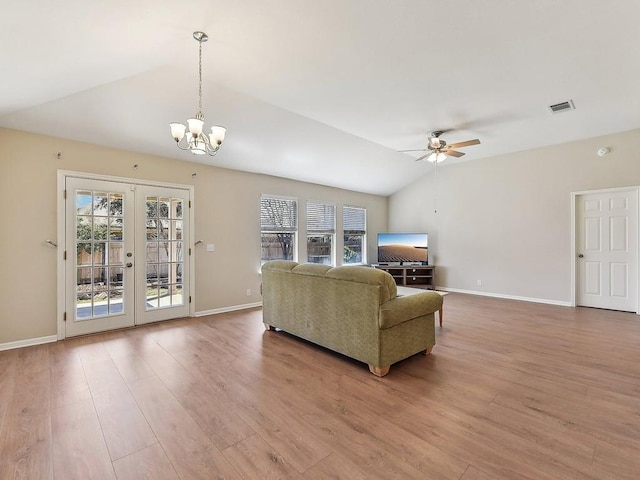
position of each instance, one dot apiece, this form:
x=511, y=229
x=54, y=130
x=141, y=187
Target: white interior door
x=126, y=254
x=607, y=250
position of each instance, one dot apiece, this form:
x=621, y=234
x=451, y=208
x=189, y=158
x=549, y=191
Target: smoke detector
x=602, y=151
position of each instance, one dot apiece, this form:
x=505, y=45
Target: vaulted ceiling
x=323, y=91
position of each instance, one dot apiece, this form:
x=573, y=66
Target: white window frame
x=354, y=232
x=321, y=222
x=287, y=226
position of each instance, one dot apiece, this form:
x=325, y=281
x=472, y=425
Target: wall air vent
x=562, y=107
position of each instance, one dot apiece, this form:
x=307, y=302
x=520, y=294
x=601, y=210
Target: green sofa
x=353, y=310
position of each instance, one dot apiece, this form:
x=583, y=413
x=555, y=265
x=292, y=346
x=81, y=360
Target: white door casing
x=607, y=249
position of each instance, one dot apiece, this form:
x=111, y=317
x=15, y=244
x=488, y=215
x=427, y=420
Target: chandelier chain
x=200, y=77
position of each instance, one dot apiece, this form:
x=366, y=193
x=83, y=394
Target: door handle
x=580, y=255
x=129, y=265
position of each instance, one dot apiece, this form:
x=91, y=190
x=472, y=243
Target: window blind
x=354, y=220
x=278, y=214
x=321, y=217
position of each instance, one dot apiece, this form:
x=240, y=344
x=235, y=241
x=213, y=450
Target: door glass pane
x=83, y=228
x=116, y=253
x=99, y=254
x=115, y=229
x=152, y=230
x=164, y=205
x=115, y=204
x=164, y=257
x=100, y=203
x=176, y=226
x=163, y=230
x=99, y=228
x=152, y=252
x=177, y=208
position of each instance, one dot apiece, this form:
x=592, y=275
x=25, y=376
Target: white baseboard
x=28, y=342
x=508, y=297
x=232, y=308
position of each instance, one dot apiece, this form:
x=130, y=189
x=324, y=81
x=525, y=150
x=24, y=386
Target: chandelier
x=196, y=141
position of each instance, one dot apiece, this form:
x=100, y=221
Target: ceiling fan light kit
x=437, y=149
x=436, y=157
x=195, y=140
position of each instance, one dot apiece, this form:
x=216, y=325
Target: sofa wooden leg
x=427, y=351
x=268, y=327
x=379, y=371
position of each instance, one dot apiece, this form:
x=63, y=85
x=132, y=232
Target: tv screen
x=403, y=248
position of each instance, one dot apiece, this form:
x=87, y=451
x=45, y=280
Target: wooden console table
x=415, y=276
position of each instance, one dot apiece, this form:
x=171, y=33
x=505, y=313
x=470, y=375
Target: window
x=321, y=229
x=354, y=226
x=278, y=228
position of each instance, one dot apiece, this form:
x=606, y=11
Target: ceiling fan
x=437, y=149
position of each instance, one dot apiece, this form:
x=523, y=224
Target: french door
x=125, y=254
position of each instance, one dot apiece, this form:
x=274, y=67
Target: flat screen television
x=403, y=248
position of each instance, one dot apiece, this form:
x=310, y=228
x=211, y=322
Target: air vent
x=562, y=107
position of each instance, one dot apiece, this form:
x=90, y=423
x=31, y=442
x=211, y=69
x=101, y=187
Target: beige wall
x=507, y=220
x=226, y=214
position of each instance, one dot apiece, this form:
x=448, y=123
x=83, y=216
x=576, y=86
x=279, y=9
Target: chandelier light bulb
x=217, y=134
x=177, y=131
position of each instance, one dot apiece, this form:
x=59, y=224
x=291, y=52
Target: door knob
x=580, y=255
x=129, y=265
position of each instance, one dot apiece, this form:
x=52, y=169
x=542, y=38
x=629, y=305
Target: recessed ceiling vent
x=562, y=107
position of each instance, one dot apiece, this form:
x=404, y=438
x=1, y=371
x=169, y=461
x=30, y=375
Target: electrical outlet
x=479, y=283
x=248, y=292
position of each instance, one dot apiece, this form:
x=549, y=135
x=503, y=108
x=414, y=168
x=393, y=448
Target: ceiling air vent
x=562, y=107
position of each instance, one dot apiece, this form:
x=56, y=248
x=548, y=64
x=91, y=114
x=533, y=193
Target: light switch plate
x=210, y=247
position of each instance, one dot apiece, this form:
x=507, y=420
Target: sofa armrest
x=402, y=309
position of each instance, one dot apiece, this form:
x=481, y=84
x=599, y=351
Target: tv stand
x=416, y=276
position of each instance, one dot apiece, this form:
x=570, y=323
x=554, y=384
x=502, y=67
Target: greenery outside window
x=278, y=228
x=354, y=226
x=321, y=229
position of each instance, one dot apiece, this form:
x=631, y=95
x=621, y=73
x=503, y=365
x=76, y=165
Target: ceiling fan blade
x=453, y=153
x=464, y=144
x=419, y=150
x=422, y=157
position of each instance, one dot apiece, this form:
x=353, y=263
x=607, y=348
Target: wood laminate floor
x=512, y=390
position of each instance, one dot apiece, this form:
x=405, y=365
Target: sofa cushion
x=313, y=269
x=370, y=276
x=281, y=265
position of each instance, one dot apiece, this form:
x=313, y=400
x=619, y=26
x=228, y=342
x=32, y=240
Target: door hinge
x=64, y=317
x=189, y=203
x=64, y=257
x=189, y=298
x=189, y=251
x=64, y=194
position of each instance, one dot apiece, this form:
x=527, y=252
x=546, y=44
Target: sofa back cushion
x=370, y=276
x=348, y=273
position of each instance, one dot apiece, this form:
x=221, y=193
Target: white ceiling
x=322, y=91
